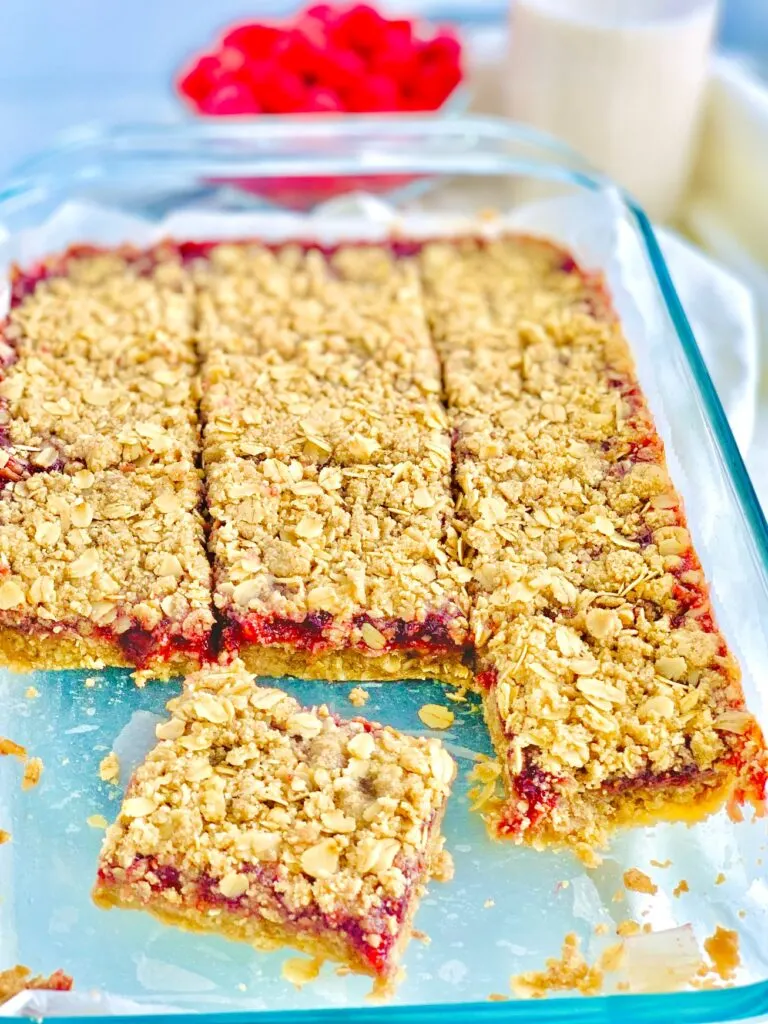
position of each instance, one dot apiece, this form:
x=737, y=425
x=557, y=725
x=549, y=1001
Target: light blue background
x=63, y=62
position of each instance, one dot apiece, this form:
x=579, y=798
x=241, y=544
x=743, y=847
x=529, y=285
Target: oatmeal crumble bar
x=610, y=694
x=102, y=554
x=328, y=460
x=271, y=823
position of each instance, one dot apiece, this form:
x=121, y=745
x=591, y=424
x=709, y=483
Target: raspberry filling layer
x=319, y=632
x=202, y=894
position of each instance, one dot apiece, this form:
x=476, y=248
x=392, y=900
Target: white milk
x=620, y=80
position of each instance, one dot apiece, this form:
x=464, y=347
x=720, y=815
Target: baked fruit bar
x=102, y=550
x=610, y=694
x=328, y=463
x=278, y=825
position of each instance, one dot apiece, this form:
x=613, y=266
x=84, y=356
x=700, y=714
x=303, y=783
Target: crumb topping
x=111, y=549
x=247, y=788
x=102, y=367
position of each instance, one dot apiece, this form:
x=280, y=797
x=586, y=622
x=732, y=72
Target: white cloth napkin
x=722, y=313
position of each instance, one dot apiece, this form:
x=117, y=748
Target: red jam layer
x=319, y=632
x=203, y=894
x=138, y=646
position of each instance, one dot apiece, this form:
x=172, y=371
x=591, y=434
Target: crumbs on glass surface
x=681, y=887
x=33, y=770
x=109, y=768
x=5, y=837
x=569, y=972
x=358, y=697
x=436, y=716
x=300, y=971
x=722, y=948
x=637, y=881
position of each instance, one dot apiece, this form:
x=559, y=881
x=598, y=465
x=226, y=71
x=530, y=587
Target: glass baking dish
x=508, y=908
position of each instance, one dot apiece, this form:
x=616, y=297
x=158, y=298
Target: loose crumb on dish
x=300, y=971
x=422, y=937
x=722, y=948
x=627, y=928
x=661, y=863
x=435, y=716
x=17, y=979
x=681, y=887
x=489, y=903
x=637, y=881
x=10, y=749
x=97, y=821
x=109, y=769
x=498, y=997
x=30, y=693
x=570, y=972
x=90, y=682
x=441, y=866
x=5, y=837
x=720, y=878
x=602, y=928
x=459, y=696
x=742, y=914
x=618, y=896
x=358, y=696
x=33, y=769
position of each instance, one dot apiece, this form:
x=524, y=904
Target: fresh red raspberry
x=229, y=99
x=198, y=81
x=373, y=93
x=279, y=90
x=320, y=100
x=254, y=40
x=360, y=28
x=444, y=48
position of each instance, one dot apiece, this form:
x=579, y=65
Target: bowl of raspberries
x=328, y=60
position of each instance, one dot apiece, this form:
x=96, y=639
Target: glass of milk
x=622, y=81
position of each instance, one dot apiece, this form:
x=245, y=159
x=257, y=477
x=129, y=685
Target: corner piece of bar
x=267, y=822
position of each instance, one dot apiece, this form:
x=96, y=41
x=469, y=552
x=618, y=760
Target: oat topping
x=250, y=797
x=435, y=716
x=111, y=549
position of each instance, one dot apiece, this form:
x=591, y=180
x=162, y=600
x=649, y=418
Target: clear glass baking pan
x=508, y=908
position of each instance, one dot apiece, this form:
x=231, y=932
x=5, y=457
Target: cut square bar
x=328, y=462
x=266, y=822
x=103, y=569
x=102, y=549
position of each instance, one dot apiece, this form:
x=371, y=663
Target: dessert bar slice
x=99, y=364
x=275, y=824
x=102, y=551
x=610, y=693
x=103, y=569
x=328, y=465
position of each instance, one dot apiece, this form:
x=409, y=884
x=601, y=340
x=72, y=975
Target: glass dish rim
x=169, y=149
